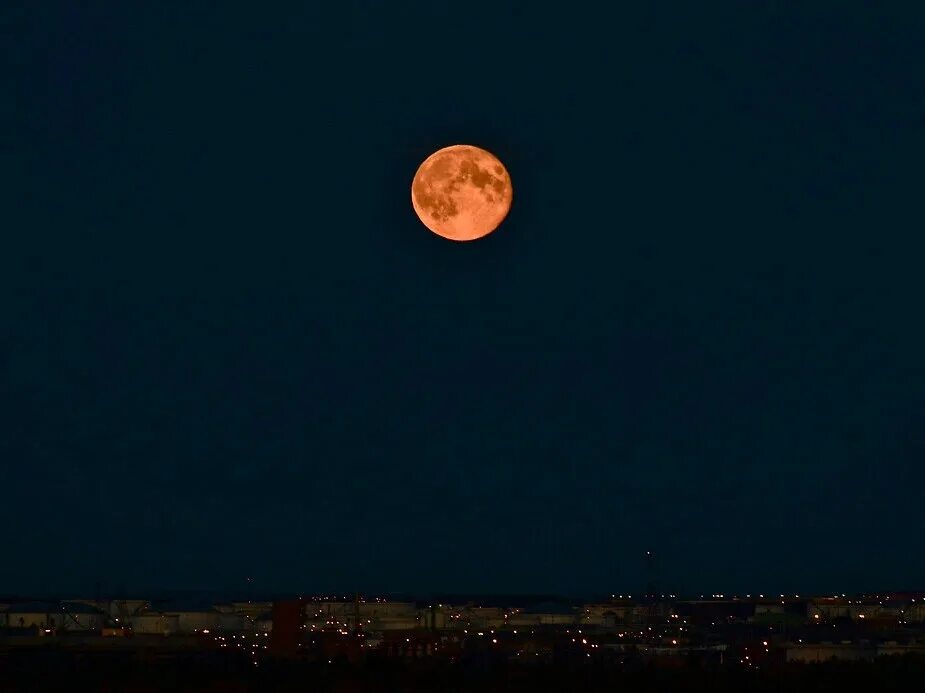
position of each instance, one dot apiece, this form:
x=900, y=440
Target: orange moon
x=461, y=192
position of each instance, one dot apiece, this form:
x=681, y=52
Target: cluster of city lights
x=253, y=644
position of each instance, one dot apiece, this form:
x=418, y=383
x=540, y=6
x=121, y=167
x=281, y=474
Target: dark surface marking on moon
x=439, y=206
x=469, y=170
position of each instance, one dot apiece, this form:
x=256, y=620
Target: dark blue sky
x=230, y=349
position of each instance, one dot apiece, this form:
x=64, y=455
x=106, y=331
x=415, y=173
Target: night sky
x=230, y=349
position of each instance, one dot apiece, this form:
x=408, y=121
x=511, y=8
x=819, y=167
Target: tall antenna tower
x=651, y=577
x=651, y=595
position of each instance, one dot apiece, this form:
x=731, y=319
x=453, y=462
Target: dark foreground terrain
x=46, y=670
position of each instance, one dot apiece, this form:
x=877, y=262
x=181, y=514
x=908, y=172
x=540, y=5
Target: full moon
x=461, y=192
